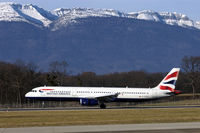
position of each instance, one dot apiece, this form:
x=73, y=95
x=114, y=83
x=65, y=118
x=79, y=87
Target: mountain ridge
x=33, y=14
x=98, y=41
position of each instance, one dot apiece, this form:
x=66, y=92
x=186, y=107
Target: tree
x=58, y=67
x=57, y=72
x=191, y=66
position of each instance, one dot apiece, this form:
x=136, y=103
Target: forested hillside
x=101, y=45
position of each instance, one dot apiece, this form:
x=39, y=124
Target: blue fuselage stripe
x=78, y=99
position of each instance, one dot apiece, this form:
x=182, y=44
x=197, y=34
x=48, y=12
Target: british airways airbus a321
x=101, y=95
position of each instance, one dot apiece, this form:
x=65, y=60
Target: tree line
x=16, y=79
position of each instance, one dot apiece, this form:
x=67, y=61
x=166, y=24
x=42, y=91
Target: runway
x=192, y=127
x=93, y=108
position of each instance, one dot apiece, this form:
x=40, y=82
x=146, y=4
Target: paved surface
x=191, y=127
x=93, y=108
x=160, y=131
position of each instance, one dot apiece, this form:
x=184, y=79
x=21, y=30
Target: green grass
x=97, y=117
x=190, y=102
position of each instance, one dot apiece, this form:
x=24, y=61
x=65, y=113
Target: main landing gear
x=102, y=106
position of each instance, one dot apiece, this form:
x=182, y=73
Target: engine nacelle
x=89, y=102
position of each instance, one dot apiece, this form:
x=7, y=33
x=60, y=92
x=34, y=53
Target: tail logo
x=175, y=74
x=168, y=83
x=166, y=88
x=172, y=82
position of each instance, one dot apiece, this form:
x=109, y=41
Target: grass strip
x=97, y=117
x=190, y=102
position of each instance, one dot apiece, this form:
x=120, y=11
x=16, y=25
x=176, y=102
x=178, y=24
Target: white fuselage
x=92, y=92
x=100, y=95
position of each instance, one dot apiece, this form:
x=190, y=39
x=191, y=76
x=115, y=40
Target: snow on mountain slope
x=34, y=13
x=62, y=17
x=27, y=13
x=197, y=24
x=87, y=12
x=165, y=17
x=69, y=15
x=145, y=15
x=7, y=13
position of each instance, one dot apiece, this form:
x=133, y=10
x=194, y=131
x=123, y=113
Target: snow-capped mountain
x=165, y=17
x=7, y=13
x=35, y=15
x=69, y=15
x=197, y=24
x=91, y=39
x=26, y=13
x=87, y=12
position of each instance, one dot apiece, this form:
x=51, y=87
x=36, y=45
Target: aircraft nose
x=27, y=94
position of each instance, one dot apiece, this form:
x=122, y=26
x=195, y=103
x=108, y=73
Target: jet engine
x=89, y=102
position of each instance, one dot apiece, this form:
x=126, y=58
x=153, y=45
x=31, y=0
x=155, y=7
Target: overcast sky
x=189, y=7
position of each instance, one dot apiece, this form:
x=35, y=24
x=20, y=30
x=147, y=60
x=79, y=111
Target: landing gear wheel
x=102, y=106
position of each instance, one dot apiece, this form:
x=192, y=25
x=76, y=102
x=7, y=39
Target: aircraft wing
x=105, y=98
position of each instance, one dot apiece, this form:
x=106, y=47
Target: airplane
x=101, y=95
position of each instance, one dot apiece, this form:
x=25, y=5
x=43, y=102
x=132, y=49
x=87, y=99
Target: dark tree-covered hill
x=100, y=44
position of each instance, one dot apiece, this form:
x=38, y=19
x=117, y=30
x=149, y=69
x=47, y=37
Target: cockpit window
x=33, y=90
